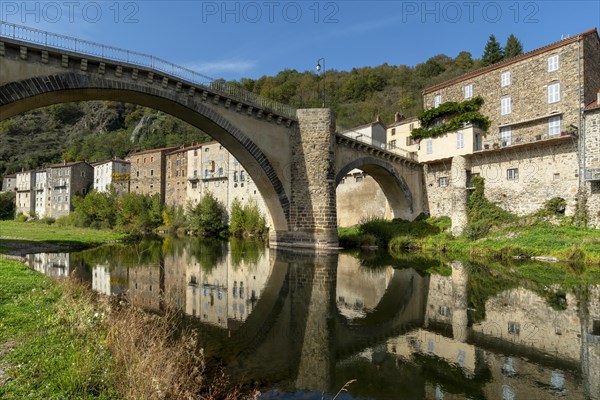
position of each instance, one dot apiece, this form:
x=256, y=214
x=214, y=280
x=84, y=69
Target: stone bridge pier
x=313, y=218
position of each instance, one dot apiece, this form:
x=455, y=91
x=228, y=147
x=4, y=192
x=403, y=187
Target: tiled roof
x=69, y=164
x=163, y=149
x=593, y=105
x=510, y=61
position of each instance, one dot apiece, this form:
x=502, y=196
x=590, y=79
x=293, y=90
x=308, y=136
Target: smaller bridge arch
x=400, y=184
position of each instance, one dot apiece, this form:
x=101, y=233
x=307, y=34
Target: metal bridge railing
x=110, y=53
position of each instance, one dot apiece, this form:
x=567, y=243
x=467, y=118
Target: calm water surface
x=304, y=324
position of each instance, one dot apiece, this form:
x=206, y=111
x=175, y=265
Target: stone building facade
x=176, y=178
x=148, y=169
x=112, y=174
x=9, y=182
x=65, y=181
x=591, y=133
x=530, y=152
x=25, y=193
x=41, y=193
x=360, y=197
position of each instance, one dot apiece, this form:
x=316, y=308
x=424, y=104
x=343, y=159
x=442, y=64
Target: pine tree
x=513, y=47
x=493, y=52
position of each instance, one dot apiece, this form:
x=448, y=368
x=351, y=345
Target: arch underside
x=28, y=94
x=392, y=183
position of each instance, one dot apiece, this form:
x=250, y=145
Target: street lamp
x=319, y=67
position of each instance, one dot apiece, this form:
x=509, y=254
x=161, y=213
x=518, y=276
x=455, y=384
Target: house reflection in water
x=529, y=349
x=56, y=265
x=225, y=294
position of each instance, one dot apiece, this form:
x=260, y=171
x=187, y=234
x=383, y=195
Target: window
x=554, y=125
x=514, y=328
x=137, y=173
x=144, y=160
x=177, y=162
x=220, y=171
x=443, y=310
x=505, y=105
x=392, y=144
x=235, y=176
x=468, y=91
x=553, y=92
x=242, y=175
x=411, y=127
x=506, y=135
x=429, y=146
x=151, y=172
x=512, y=174
x=358, y=178
x=83, y=173
x=553, y=63
x=505, y=79
x=206, y=150
x=443, y=181
x=460, y=140
x=393, y=131
x=437, y=100
x=410, y=141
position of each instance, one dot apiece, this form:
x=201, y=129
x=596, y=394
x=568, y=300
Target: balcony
x=525, y=139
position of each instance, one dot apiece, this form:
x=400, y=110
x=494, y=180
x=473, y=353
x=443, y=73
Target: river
x=303, y=324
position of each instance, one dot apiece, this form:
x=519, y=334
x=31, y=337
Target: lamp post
x=319, y=67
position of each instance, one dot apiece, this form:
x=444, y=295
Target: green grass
x=53, y=344
x=40, y=232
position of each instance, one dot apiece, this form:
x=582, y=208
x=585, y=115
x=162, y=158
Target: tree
x=208, y=216
x=513, y=47
x=7, y=205
x=493, y=52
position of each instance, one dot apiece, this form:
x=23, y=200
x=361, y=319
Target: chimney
x=398, y=117
x=378, y=119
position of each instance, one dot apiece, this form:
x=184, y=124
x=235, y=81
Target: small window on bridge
x=514, y=328
x=358, y=178
x=443, y=181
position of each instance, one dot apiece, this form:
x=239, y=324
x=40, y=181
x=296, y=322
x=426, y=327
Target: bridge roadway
x=295, y=157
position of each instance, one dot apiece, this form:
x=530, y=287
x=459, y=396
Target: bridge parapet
x=381, y=150
x=139, y=66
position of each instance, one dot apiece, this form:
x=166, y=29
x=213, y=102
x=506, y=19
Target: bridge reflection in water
x=310, y=322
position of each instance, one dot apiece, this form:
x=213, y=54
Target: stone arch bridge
x=295, y=157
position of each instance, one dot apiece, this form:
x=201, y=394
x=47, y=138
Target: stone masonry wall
x=542, y=173
x=360, y=197
x=313, y=203
x=439, y=197
x=592, y=160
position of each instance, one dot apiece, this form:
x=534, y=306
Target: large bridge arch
x=292, y=155
x=259, y=142
x=401, y=187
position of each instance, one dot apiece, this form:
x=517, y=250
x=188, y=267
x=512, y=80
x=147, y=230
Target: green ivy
x=462, y=113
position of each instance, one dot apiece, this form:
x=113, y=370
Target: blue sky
x=238, y=39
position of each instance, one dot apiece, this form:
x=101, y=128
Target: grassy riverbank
x=51, y=340
x=59, y=340
x=523, y=238
x=15, y=235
